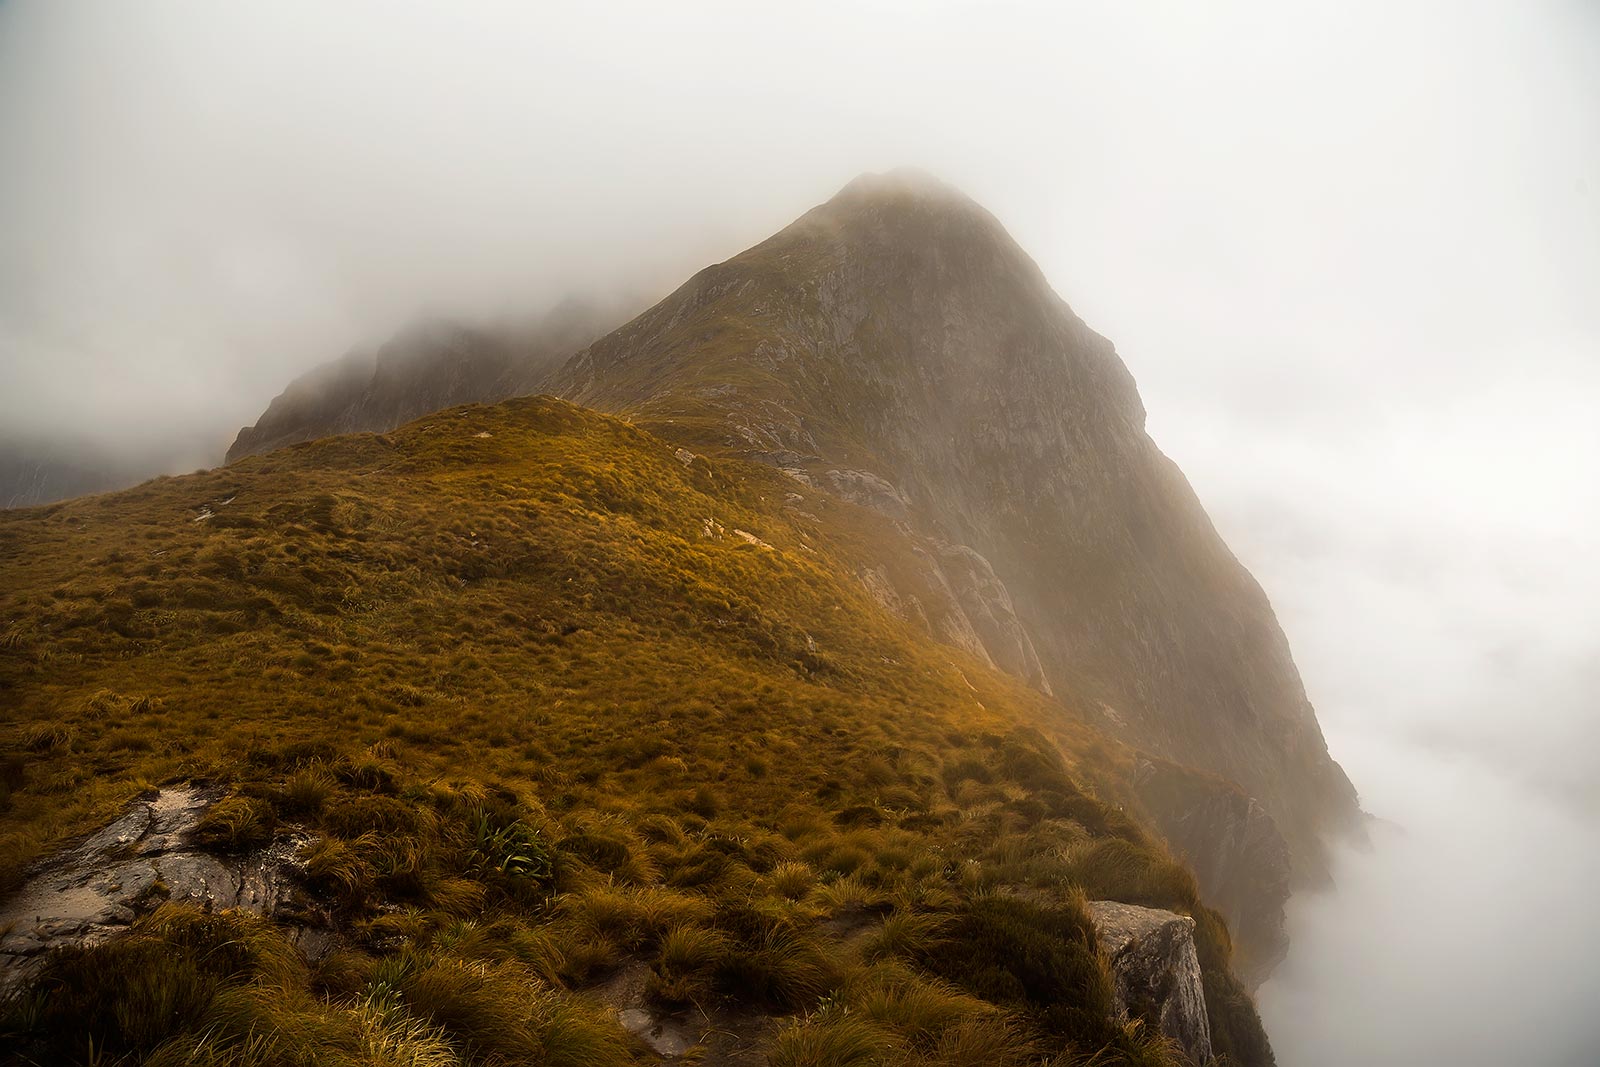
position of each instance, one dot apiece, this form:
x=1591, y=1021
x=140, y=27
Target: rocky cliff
x=896, y=345
x=41, y=468
x=1238, y=857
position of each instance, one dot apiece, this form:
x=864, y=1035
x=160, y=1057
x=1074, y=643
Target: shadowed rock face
x=96, y=890
x=33, y=473
x=1155, y=972
x=896, y=346
x=1235, y=851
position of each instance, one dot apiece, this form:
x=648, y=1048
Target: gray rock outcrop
x=1155, y=972
x=91, y=892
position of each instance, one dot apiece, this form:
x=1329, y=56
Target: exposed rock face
x=1235, y=851
x=897, y=332
x=987, y=605
x=93, y=891
x=957, y=598
x=33, y=472
x=1156, y=972
x=869, y=490
x=426, y=368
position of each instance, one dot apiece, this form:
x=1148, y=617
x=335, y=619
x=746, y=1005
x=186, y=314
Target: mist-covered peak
x=903, y=186
x=910, y=210
x=895, y=344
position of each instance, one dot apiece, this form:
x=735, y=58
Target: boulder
x=1156, y=972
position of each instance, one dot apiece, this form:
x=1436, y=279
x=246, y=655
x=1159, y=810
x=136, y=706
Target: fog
x=1351, y=253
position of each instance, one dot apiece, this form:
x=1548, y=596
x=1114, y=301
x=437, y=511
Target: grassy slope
x=544, y=724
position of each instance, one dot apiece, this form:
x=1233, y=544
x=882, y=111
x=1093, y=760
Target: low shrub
x=512, y=852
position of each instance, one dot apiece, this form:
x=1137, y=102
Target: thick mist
x=1351, y=253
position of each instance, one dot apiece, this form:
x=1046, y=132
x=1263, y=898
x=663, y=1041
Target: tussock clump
x=500, y=1012
x=306, y=791
x=908, y=934
x=787, y=969
x=45, y=737
x=387, y=1034
x=123, y=998
x=336, y=866
x=831, y=1040
x=792, y=880
x=633, y=917
x=686, y=965
x=236, y=824
x=1034, y=959
x=1115, y=869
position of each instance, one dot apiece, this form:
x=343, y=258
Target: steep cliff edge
x=898, y=332
x=1237, y=855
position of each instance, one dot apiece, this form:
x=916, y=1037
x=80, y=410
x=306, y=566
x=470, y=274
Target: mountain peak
x=897, y=346
x=903, y=192
x=900, y=183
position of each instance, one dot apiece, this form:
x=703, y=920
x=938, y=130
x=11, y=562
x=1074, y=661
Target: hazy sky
x=1350, y=251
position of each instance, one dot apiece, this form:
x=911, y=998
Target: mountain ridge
x=894, y=345
x=898, y=328
x=547, y=701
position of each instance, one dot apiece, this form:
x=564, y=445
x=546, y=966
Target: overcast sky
x=1350, y=251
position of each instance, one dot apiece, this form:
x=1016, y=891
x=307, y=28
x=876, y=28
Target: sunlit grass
x=537, y=724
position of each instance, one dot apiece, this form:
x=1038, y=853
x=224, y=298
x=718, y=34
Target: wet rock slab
x=95, y=890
